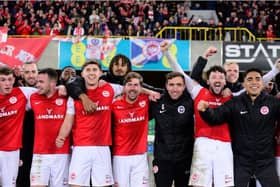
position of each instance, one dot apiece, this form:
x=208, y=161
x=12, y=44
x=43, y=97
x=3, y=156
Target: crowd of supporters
x=133, y=17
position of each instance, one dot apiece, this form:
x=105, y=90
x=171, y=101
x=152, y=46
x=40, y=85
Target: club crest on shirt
x=73, y=176
x=264, y=110
x=13, y=100
x=106, y=93
x=108, y=179
x=142, y=103
x=181, y=109
x=59, y=102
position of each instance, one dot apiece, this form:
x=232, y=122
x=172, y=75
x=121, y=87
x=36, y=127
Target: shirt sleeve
x=28, y=91
x=118, y=89
x=70, y=106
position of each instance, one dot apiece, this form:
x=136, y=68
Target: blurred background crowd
x=134, y=17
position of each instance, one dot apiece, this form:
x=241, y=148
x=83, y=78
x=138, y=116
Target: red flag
x=16, y=51
x=3, y=34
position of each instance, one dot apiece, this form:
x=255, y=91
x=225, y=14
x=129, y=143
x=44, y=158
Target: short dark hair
x=5, y=70
x=214, y=69
x=132, y=75
x=30, y=62
x=68, y=67
x=174, y=74
x=52, y=74
x=252, y=70
x=94, y=62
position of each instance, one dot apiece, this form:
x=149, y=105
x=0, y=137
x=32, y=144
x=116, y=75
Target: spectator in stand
x=78, y=33
x=140, y=30
x=69, y=27
x=47, y=29
x=36, y=29
x=94, y=29
x=93, y=18
x=106, y=32
x=260, y=32
x=269, y=33
x=130, y=30
x=119, y=31
x=55, y=30
x=149, y=12
x=25, y=28
x=156, y=28
x=211, y=32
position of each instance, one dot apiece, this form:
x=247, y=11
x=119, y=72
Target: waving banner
x=16, y=51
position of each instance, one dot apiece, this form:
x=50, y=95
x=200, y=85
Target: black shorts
x=267, y=175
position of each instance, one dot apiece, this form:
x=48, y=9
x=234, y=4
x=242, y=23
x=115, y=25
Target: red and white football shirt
x=202, y=129
x=12, y=110
x=95, y=129
x=130, y=126
x=49, y=115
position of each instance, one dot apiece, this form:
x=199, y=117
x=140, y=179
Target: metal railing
x=207, y=33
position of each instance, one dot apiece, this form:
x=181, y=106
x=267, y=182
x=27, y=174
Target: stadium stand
x=143, y=18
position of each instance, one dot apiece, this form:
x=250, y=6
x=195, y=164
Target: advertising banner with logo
x=145, y=54
x=16, y=51
x=260, y=55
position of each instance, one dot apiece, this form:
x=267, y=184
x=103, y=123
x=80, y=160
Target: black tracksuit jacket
x=252, y=127
x=174, y=130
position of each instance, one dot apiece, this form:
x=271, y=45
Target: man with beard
x=212, y=160
x=49, y=164
x=29, y=75
x=231, y=68
x=212, y=156
x=130, y=129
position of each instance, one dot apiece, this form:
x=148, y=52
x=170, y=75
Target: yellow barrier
x=207, y=33
x=234, y=34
